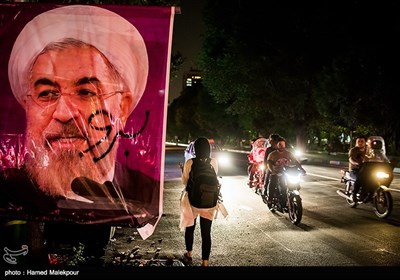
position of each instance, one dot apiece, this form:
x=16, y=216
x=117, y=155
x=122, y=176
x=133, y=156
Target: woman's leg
x=205, y=227
x=189, y=237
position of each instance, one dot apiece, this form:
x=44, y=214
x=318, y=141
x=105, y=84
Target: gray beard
x=54, y=173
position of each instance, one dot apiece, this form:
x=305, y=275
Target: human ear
x=126, y=104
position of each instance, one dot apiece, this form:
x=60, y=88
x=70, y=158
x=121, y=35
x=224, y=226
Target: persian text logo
x=10, y=255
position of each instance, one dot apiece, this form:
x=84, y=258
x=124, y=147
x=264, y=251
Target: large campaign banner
x=84, y=94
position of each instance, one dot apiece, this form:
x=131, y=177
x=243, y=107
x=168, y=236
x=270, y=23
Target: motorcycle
x=258, y=178
x=375, y=175
x=256, y=164
x=285, y=198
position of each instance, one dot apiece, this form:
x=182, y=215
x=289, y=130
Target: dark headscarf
x=202, y=148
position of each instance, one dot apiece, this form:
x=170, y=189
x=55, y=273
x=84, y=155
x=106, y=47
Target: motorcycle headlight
x=382, y=175
x=293, y=179
x=261, y=166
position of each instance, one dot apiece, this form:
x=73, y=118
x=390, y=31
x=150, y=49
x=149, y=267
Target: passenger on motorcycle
x=356, y=158
x=273, y=140
x=276, y=160
x=375, y=150
x=256, y=157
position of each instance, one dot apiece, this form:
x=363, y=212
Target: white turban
x=110, y=33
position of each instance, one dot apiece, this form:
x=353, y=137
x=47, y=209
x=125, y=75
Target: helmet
x=376, y=144
x=376, y=149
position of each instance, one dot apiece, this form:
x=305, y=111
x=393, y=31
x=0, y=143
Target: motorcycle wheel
x=383, y=203
x=295, y=209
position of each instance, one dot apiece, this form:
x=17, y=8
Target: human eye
x=48, y=95
x=87, y=94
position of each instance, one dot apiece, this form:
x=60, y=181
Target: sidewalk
x=164, y=248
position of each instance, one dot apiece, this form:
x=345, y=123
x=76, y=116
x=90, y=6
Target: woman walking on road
x=190, y=213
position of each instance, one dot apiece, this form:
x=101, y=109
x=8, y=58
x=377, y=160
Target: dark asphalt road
x=166, y=246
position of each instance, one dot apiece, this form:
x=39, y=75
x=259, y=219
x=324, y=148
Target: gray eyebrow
x=81, y=81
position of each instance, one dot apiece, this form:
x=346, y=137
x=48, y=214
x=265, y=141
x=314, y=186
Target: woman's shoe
x=187, y=258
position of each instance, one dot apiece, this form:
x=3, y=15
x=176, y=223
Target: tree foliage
x=194, y=114
x=301, y=68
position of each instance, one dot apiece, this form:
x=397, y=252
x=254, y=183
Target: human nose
x=65, y=110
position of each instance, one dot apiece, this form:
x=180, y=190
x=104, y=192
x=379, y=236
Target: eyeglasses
x=49, y=98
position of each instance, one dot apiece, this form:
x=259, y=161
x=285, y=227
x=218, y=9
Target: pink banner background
x=144, y=152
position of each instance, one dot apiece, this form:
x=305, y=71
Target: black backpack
x=203, y=186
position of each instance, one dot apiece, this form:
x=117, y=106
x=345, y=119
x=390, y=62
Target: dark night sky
x=188, y=29
x=187, y=38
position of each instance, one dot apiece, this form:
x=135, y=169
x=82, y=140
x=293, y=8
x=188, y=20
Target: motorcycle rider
x=276, y=160
x=251, y=163
x=272, y=139
x=256, y=157
x=356, y=158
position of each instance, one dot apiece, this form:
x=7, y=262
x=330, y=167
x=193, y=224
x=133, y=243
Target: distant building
x=191, y=78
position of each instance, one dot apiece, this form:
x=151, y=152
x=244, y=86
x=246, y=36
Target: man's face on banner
x=74, y=111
